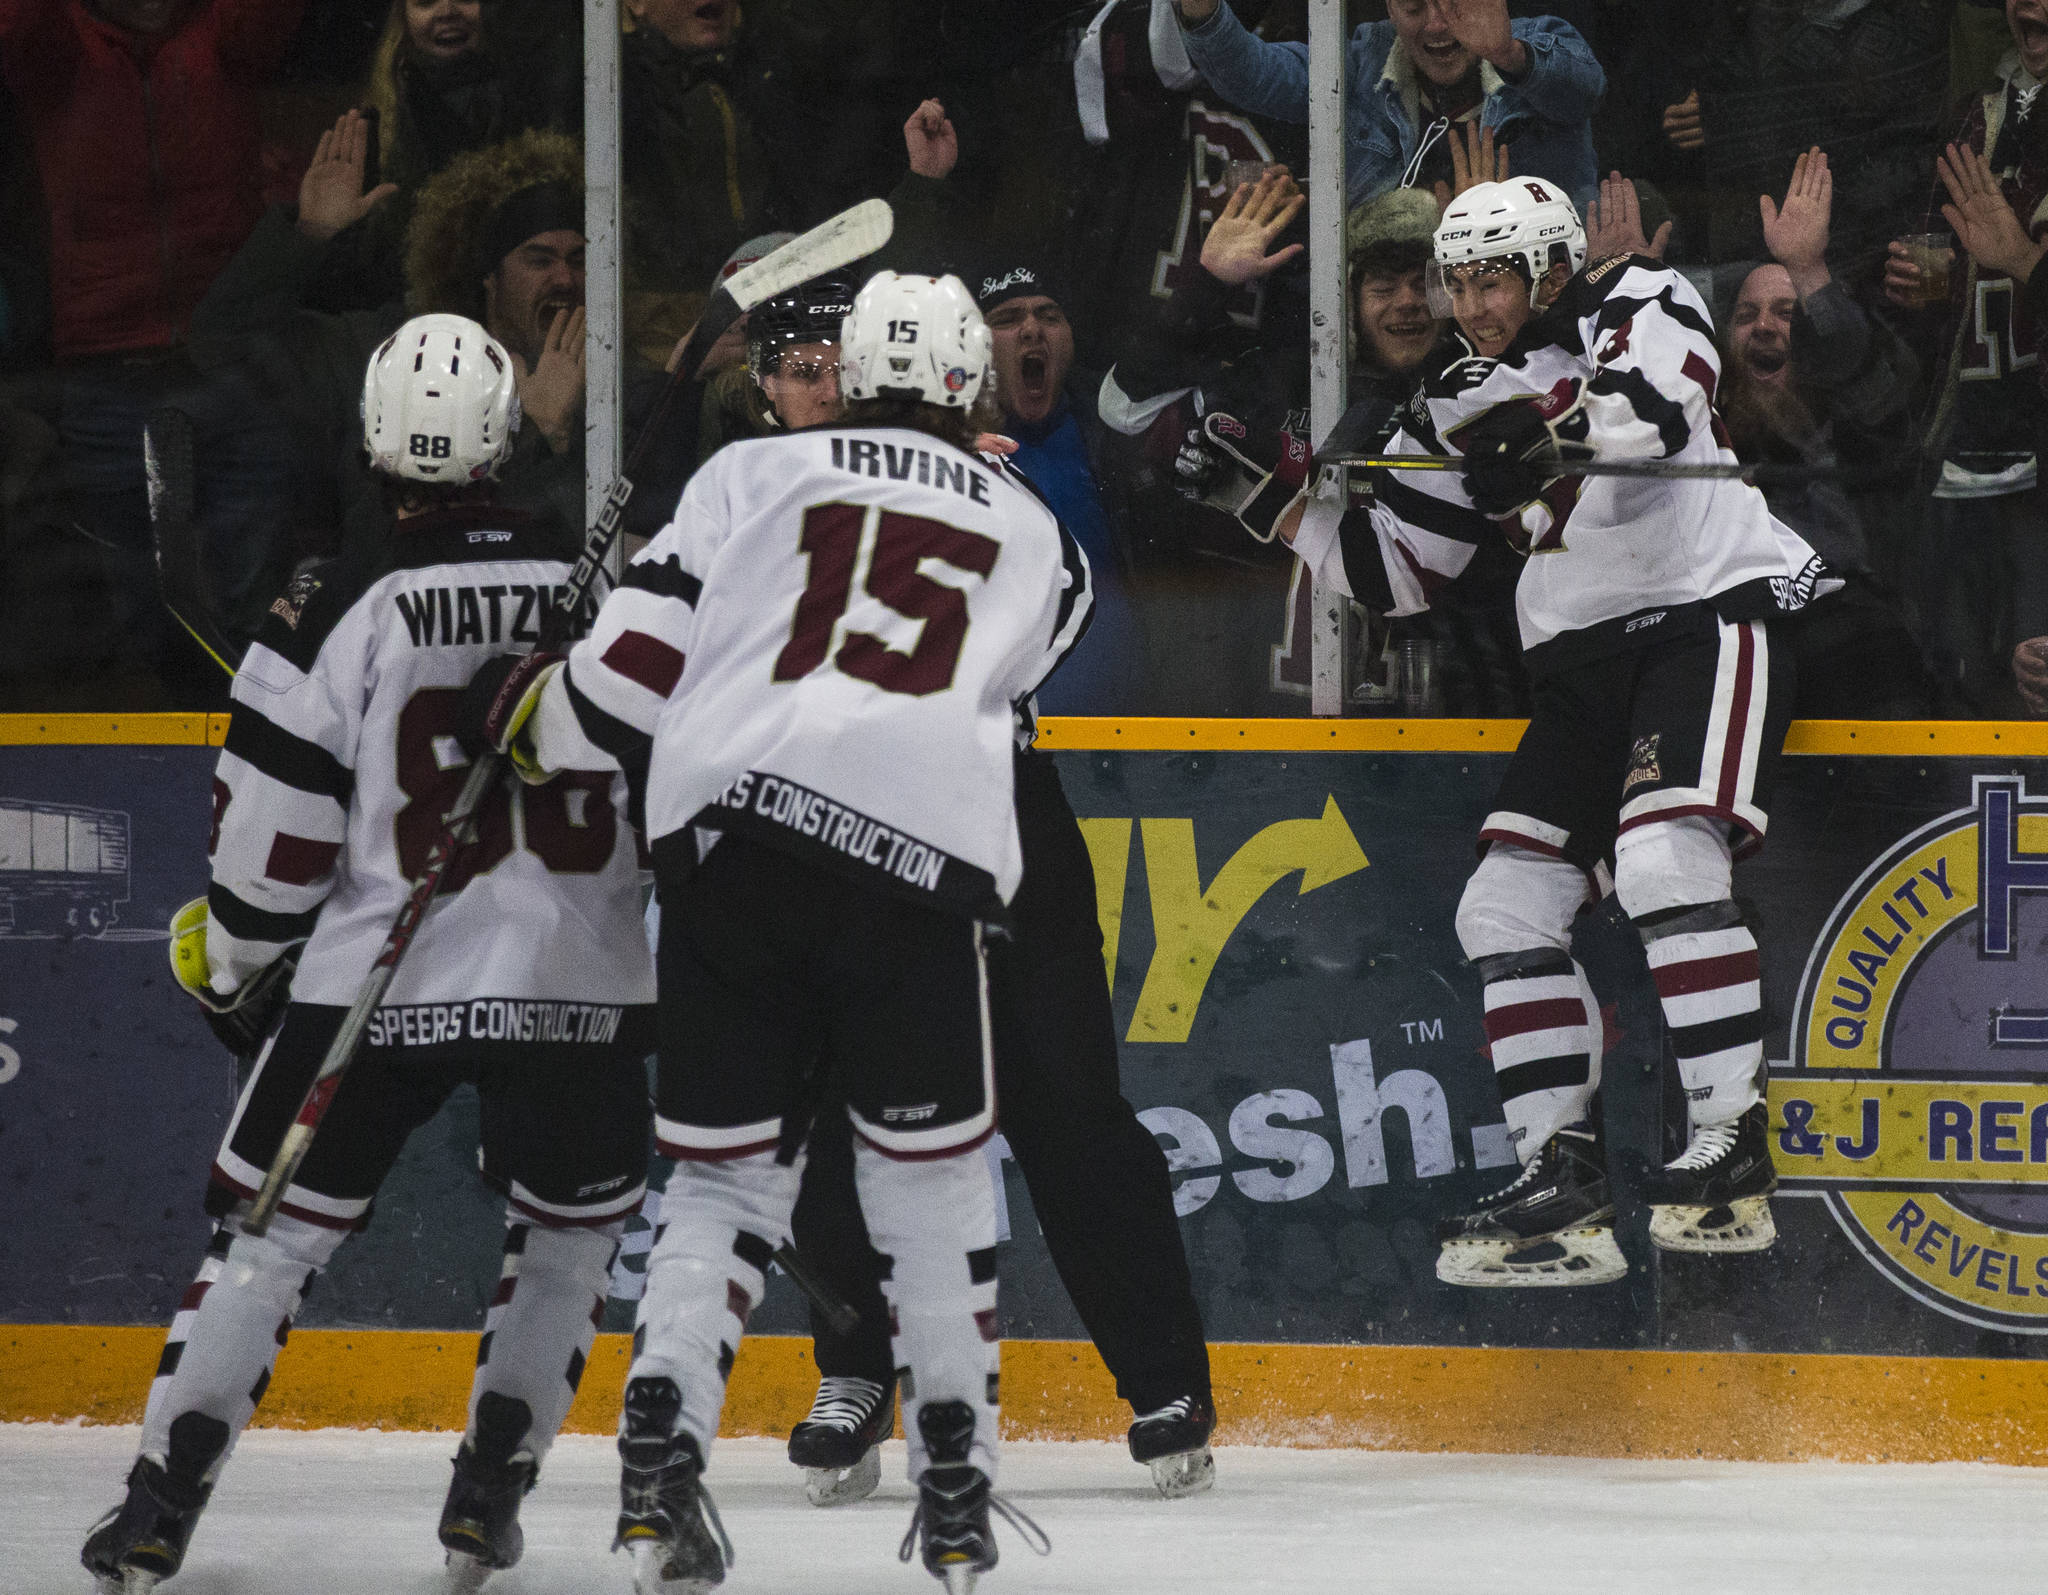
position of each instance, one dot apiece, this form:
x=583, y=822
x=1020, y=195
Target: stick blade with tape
x=854, y=234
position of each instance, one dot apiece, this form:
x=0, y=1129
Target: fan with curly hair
x=480, y=210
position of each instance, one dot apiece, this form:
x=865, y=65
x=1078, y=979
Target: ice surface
x=348, y=1513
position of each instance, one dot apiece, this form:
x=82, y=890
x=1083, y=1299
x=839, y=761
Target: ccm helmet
x=915, y=338
x=1525, y=221
x=809, y=313
x=439, y=402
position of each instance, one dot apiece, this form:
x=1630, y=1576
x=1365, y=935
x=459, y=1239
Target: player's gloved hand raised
x=243, y=1019
x=1512, y=451
x=497, y=704
x=1245, y=469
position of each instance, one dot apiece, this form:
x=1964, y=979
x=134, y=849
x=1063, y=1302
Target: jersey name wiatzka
x=826, y=647
x=340, y=761
x=1611, y=559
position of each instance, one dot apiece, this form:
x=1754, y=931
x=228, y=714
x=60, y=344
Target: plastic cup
x=1932, y=253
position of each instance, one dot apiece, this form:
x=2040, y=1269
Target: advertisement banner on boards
x=1299, y=1031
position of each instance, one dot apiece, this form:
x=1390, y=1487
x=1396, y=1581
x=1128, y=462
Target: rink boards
x=1298, y=1030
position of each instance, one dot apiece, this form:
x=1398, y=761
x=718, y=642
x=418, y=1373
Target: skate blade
x=843, y=1486
x=650, y=1556
x=1184, y=1473
x=466, y=1574
x=960, y=1579
x=134, y=1581
x=1743, y=1225
x=1570, y=1257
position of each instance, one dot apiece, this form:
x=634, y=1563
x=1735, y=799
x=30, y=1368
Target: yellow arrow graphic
x=1109, y=850
x=1190, y=926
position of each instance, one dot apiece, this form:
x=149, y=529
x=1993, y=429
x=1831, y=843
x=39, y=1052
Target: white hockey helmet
x=440, y=403
x=915, y=338
x=1527, y=220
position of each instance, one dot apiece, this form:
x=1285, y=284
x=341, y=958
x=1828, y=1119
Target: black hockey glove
x=1512, y=452
x=497, y=704
x=1246, y=470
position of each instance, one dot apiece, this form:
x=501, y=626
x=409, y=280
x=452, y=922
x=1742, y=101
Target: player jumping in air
x=530, y=976
x=1660, y=710
x=817, y=662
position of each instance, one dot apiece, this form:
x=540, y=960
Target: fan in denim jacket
x=1435, y=62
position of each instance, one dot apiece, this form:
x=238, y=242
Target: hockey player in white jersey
x=817, y=663
x=530, y=976
x=1660, y=710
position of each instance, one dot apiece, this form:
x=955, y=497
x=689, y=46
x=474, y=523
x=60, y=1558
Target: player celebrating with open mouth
x=1660, y=709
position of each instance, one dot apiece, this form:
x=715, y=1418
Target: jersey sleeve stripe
x=1365, y=565
x=1076, y=609
x=621, y=739
x=1443, y=516
x=1650, y=406
x=246, y=922
x=646, y=661
x=299, y=860
x=1077, y=601
x=664, y=578
x=292, y=760
x=1618, y=311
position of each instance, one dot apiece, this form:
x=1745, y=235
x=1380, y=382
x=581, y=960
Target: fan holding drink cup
x=1980, y=219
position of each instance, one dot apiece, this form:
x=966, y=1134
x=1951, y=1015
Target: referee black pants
x=1097, y=1178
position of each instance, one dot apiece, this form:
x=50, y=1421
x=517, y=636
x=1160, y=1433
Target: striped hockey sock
x=230, y=1324
x=1704, y=961
x=1543, y=1029
x=543, y=1317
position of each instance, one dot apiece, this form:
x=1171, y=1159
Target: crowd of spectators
x=211, y=211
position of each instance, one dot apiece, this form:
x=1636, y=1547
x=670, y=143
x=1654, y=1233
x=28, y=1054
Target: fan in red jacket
x=143, y=114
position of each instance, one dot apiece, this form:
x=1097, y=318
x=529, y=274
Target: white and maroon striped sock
x=1710, y=986
x=543, y=1317
x=1543, y=1029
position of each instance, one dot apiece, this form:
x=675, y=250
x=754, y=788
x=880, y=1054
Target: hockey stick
x=838, y=1312
x=1767, y=472
x=167, y=463
x=851, y=235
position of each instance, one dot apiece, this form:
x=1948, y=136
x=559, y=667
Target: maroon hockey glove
x=497, y=704
x=1247, y=470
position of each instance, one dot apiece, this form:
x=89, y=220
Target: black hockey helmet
x=808, y=313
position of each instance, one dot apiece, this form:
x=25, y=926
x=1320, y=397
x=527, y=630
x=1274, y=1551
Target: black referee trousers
x=1098, y=1180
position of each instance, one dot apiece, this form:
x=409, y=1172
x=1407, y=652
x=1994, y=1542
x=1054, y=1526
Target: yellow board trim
x=1062, y=733
x=1886, y=738
x=1738, y=1406
x=89, y=730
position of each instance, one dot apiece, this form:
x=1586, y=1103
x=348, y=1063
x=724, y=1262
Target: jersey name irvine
x=886, y=460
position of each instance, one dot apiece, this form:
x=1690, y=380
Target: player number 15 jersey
x=826, y=646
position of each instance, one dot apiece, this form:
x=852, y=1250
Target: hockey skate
x=839, y=1445
x=142, y=1541
x=666, y=1520
x=1173, y=1441
x=1715, y=1195
x=1553, y=1225
x=480, y=1519
x=951, y=1523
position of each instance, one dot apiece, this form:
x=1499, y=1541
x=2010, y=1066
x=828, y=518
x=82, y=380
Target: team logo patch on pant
x=1642, y=764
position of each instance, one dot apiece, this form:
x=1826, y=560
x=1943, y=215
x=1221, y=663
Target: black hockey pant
x=1097, y=1178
